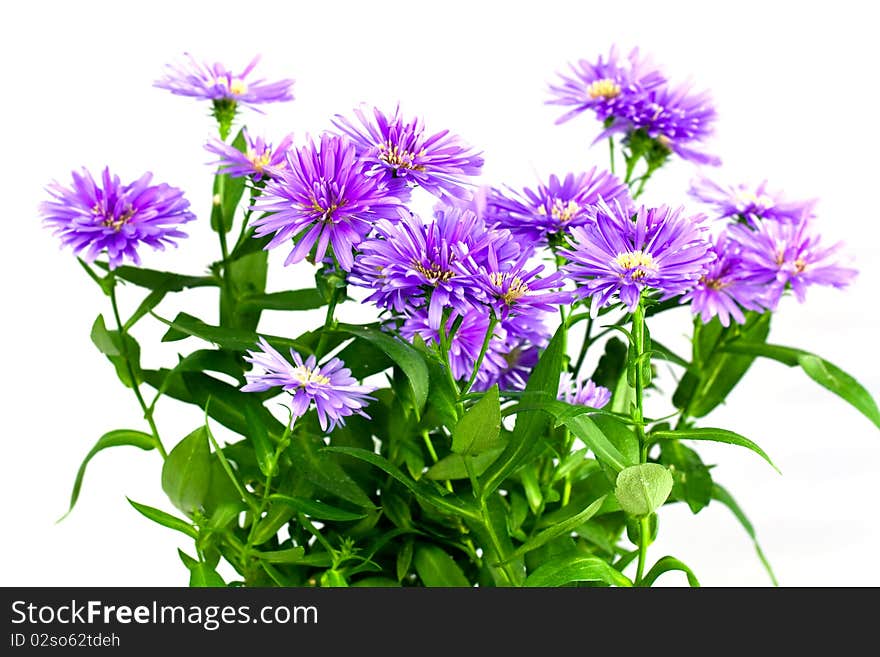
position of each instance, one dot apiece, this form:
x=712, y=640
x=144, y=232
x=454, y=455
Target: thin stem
x=264, y=501
x=638, y=335
x=135, y=384
x=496, y=544
x=329, y=322
x=490, y=332
x=611, y=152
x=644, y=535
x=433, y=452
x=584, y=347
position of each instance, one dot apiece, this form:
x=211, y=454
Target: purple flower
x=783, y=254
x=93, y=217
x=512, y=289
x=259, y=159
x=582, y=393
x=324, y=197
x=726, y=287
x=510, y=364
x=607, y=87
x=749, y=203
x=335, y=393
x=465, y=344
x=557, y=206
x=676, y=118
x=412, y=264
x=402, y=153
x=663, y=250
x=215, y=82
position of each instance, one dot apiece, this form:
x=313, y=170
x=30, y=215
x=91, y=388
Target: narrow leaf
x=665, y=565
x=316, y=509
x=479, y=427
x=436, y=568
x=560, y=529
x=165, y=519
x=720, y=494
x=576, y=568
x=714, y=435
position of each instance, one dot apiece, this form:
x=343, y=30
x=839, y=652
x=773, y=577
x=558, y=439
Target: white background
x=795, y=85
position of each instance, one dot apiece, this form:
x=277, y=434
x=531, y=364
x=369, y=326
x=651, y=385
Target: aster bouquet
x=457, y=439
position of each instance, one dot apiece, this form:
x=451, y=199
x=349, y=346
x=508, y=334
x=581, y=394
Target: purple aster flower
x=402, y=153
x=783, y=254
x=335, y=393
x=413, y=264
x=323, y=197
x=465, y=344
x=514, y=289
x=511, y=363
x=582, y=393
x=749, y=202
x=557, y=206
x=215, y=82
x=97, y=216
x=663, y=250
x=676, y=118
x=608, y=87
x=726, y=287
x=259, y=159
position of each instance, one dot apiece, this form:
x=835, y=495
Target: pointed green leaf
x=160, y=280
x=306, y=299
x=312, y=462
x=110, y=439
x=201, y=575
x=452, y=466
x=714, y=435
x=720, y=494
x=186, y=474
x=479, y=428
x=561, y=529
x=165, y=519
x=290, y=555
x=185, y=325
x=408, y=359
x=317, y=510
x=584, y=428
x=436, y=568
x=576, y=568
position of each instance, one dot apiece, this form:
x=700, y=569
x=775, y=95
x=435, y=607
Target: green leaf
x=186, y=474
x=820, y=370
x=584, y=428
x=404, y=559
x=408, y=359
x=276, y=517
x=560, y=529
x=201, y=575
x=312, y=463
x=619, y=435
x=642, y=489
x=715, y=371
x=290, y=555
x=185, y=325
x=531, y=426
x=693, y=481
x=317, y=510
x=666, y=564
x=436, y=568
x=453, y=466
x=720, y=494
x=115, y=438
x=611, y=365
x=259, y=438
x=576, y=568
x=150, y=301
x=479, y=428
x=203, y=360
x=165, y=519
x=418, y=488
x=247, y=277
x=376, y=582
x=306, y=299
x=714, y=435
x=160, y=280
x=102, y=338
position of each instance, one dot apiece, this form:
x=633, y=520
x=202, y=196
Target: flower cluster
x=629, y=95
x=258, y=159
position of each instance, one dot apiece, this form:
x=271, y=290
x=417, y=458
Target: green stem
x=267, y=486
x=506, y=569
x=135, y=384
x=444, y=354
x=490, y=331
x=638, y=335
x=329, y=322
x=611, y=152
x=584, y=347
x=644, y=535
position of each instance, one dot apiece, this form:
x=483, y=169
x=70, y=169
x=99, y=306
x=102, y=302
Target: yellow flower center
x=714, y=283
x=434, y=275
x=748, y=197
x=515, y=290
x=303, y=375
x=637, y=262
x=237, y=87
x=116, y=223
x=563, y=212
x=259, y=162
x=399, y=158
x=603, y=88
